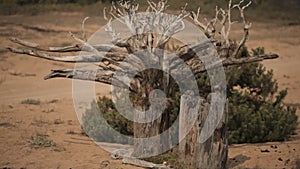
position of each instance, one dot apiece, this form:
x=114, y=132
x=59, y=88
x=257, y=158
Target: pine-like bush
x=257, y=112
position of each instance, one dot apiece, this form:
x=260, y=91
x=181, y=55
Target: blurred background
x=287, y=10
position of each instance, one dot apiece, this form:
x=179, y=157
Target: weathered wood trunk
x=157, y=118
x=213, y=152
x=145, y=147
x=154, y=142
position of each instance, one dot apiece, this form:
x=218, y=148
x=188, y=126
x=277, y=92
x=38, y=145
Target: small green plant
x=41, y=140
x=31, y=101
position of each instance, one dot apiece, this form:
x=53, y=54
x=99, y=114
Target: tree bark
x=212, y=153
x=156, y=117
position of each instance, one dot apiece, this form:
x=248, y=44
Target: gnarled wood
x=99, y=57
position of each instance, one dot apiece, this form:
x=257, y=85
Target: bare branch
x=71, y=48
x=226, y=36
x=142, y=27
x=92, y=49
x=83, y=30
x=80, y=58
x=115, y=36
x=247, y=25
x=159, y=7
x=224, y=18
x=87, y=75
x=116, y=40
x=225, y=62
x=209, y=28
x=197, y=54
x=195, y=17
x=104, y=14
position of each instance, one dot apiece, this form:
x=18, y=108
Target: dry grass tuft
x=41, y=140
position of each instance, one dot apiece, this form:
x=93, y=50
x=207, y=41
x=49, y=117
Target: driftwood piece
x=142, y=163
x=126, y=157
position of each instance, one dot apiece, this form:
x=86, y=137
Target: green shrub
x=253, y=120
x=95, y=119
x=257, y=112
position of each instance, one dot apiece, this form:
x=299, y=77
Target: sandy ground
x=21, y=78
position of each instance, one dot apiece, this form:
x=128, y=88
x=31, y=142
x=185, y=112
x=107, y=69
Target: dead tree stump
x=212, y=153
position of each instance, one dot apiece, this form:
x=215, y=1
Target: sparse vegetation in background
x=40, y=122
x=34, y=2
x=71, y=132
x=49, y=110
x=31, y=101
x=261, y=10
x=58, y=149
x=41, y=140
x=53, y=101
